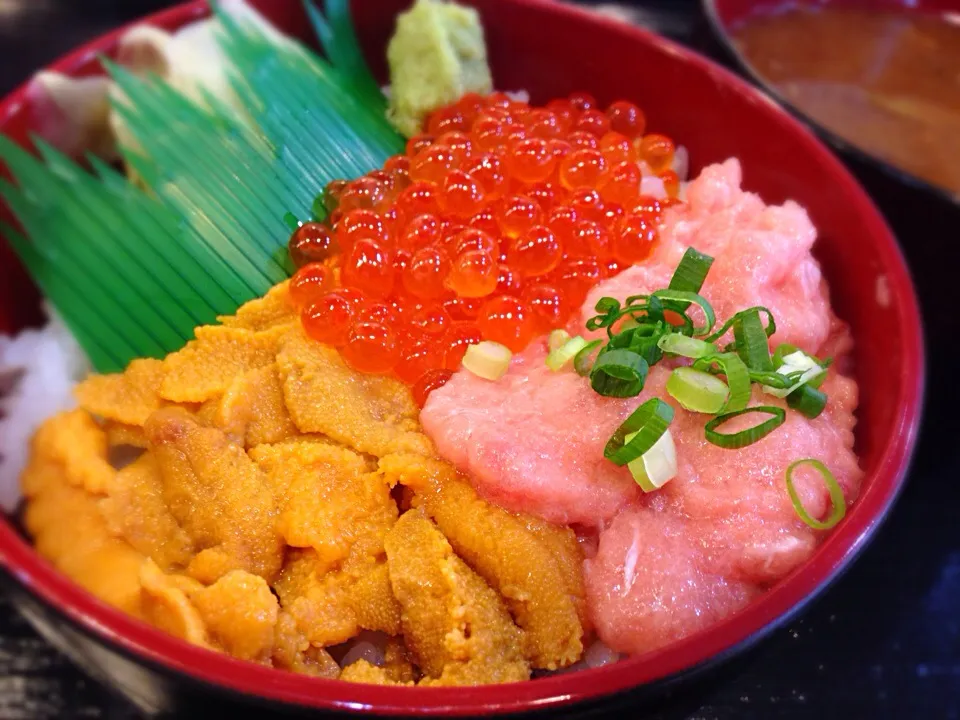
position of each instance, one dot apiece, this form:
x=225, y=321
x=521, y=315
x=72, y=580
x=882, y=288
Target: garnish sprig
x=645, y=327
x=642, y=328
x=636, y=327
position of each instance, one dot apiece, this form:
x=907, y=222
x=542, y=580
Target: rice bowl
x=854, y=511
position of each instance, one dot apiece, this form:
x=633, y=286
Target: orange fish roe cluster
x=493, y=225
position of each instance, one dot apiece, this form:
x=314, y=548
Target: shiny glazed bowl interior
x=551, y=50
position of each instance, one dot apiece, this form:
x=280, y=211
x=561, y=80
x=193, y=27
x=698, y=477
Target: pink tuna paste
x=671, y=562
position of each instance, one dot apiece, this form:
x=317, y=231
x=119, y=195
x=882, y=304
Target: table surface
x=884, y=642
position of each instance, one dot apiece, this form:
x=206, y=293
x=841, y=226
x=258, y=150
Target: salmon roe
x=493, y=224
x=311, y=242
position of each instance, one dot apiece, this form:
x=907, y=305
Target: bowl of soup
x=879, y=81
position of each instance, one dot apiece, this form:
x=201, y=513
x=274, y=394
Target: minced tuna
x=671, y=562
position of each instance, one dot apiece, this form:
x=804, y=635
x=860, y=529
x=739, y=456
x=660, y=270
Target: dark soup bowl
x=923, y=215
x=550, y=49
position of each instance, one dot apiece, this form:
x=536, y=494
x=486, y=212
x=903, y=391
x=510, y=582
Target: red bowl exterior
x=553, y=49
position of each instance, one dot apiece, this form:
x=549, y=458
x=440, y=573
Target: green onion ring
x=781, y=351
x=583, y=360
x=837, y=499
x=697, y=391
x=599, y=321
x=818, y=380
x=651, y=312
x=607, y=304
x=691, y=272
x=559, y=357
x=680, y=344
x=684, y=296
x=619, y=373
x=784, y=349
x=649, y=422
x=751, y=341
x=639, y=333
x=641, y=339
x=807, y=400
x=609, y=311
x=750, y=435
x=769, y=330
x=771, y=379
x=738, y=378
x=647, y=348
x=654, y=307
x=687, y=327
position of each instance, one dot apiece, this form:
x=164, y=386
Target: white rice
x=518, y=95
x=38, y=369
x=597, y=655
x=653, y=186
x=681, y=163
x=369, y=646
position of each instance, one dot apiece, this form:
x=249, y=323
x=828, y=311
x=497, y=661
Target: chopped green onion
x=781, y=351
x=817, y=380
x=769, y=330
x=770, y=380
x=680, y=344
x=609, y=312
x=678, y=297
x=657, y=466
x=799, y=367
x=327, y=200
x=565, y=353
x=557, y=338
x=654, y=308
x=606, y=305
x=798, y=361
x=619, y=373
x=639, y=310
x=691, y=272
x=645, y=426
x=487, y=359
x=318, y=210
x=750, y=339
x=641, y=339
x=637, y=333
x=647, y=307
x=686, y=326
x=697, y=390
x=748, y=436
x=837, y=500
x=583, y=362
x=807, y=400
x=291, y=220
x=785, y=349
x=738, y=378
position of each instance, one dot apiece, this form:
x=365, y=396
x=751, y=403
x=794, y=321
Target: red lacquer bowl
x=552, y=49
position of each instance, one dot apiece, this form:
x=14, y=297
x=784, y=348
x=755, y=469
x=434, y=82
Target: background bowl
x=923, y=216
x=724, y=16
x=716, y=116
